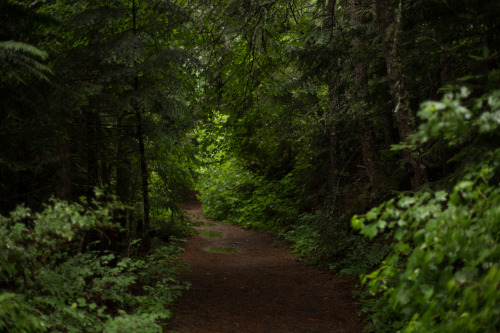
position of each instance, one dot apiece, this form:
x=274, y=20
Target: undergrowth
x=442, y=273
x=234, y=194
x=51, y=281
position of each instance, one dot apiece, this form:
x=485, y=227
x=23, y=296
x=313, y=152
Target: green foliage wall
x=442, y=273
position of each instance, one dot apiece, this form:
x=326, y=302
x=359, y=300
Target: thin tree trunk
x=389, y=20
x=143, y=228
x=123, y=172
x=386, y=111
x=123, y=167
x=368, y=147
x=64, y=172
x=333, y=179
x=103, y=160
x=145, y=184
x=92, y=152
x=334, y=96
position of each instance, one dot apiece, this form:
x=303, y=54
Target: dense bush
x=51, y=282
x=443, y=271
x=232, y=193
x=224, y=189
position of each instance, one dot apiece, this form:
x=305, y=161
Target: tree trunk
x=123, y=171
x=145, y=184
x=103, y=160
x=388, y=124
x=334, y=96
x=64, y=188
x=92, y=153
x=389, y=20
x=143, y=228
x=333, y=179
x=368, y=147
x=123, y=165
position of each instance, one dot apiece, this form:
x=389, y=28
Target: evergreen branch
x=21, y=59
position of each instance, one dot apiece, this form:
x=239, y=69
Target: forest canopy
x=365, y=133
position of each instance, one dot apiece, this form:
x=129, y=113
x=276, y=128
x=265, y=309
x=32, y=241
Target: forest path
x=260, y=288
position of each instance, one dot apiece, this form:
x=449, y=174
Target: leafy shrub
x=305, y=239
x=132, y=323
x=47, y=284
x=31, y=241
x=17, y=315
x=224, y=188
x=443, y=271
x=230, y=192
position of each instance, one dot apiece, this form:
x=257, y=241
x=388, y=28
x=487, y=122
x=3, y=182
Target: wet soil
x=258, y=287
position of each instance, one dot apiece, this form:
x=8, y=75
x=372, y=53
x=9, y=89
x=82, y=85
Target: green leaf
x=370, y=230
x=406, y=202
x=372, y=214
x=441, y=196
x=357, y=222
x=402, y=296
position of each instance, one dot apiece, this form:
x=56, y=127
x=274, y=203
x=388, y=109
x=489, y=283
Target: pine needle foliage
x=20, y=60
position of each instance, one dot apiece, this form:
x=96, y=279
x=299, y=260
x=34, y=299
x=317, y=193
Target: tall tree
x=362, y=103
x=335, y=94
x=389, y=16
x=142, y=226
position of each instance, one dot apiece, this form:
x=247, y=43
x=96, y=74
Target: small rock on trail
x=257, y=288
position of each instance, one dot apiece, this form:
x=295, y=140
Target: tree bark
x=123, y=174
x=103, y=160
x=145, y=184
x=123, y=165
x=388, y=124
x=368, y=147
x=64, y=188
x=143, y=228
x=92, y=152
x=389, y=20
x=334, y=97
x=333, y=178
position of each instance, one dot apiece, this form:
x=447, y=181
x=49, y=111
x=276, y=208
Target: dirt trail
x=259, y=289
